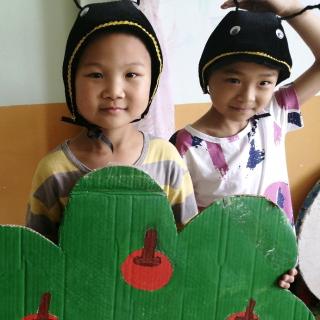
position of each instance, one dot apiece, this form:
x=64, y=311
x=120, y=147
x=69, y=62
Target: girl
x=238, y=146
x=111, y=71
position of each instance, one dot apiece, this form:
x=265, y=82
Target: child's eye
x=131, y=75
x=265, y=83
x=95, y=75
x=233, y=80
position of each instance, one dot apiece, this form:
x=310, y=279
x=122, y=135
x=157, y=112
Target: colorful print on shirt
x=250, y=162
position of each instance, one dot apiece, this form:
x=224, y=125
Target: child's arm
x=39, y=216
x=307, y=25
x=52, y=181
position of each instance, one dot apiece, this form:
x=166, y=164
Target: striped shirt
x=60, y=170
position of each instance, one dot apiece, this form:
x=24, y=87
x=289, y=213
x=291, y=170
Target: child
x=111, y=72
x=238, y=146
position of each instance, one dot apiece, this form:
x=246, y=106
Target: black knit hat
x=96, y=18
x=246, y=36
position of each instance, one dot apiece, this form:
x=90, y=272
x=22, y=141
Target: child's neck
x=211, y=123
x=94, y=153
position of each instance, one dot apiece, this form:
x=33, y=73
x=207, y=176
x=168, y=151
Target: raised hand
x=279, y=7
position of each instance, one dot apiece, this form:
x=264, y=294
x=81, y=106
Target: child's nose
x=247, y=93
x=113, y=89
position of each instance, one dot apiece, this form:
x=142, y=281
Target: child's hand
x=279, y=7
x=287, y=278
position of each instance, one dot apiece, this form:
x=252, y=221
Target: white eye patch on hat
x=236, y=30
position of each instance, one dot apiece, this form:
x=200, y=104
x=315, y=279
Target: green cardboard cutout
x=121, y=257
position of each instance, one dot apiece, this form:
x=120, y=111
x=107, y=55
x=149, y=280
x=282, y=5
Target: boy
x=111, y=71
x=238, y=146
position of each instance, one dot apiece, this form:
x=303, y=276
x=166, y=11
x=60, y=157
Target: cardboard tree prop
x=121, y=257
x=308, y=225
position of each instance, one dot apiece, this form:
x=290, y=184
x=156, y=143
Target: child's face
x=240, y=90
x=113, y=80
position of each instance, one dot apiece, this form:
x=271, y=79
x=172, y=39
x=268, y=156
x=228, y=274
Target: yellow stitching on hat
x=108, y=24
x=261, y=54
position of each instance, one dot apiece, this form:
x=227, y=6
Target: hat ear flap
x=77, y=4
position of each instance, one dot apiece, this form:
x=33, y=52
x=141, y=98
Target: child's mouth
x=112, y=109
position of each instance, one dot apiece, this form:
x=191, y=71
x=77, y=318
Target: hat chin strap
x=96, y=133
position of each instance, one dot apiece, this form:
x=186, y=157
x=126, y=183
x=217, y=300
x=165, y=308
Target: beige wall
x=27, y=133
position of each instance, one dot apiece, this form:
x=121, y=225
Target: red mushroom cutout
x=43, y=311
x=147, y=269
x=247, y=315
